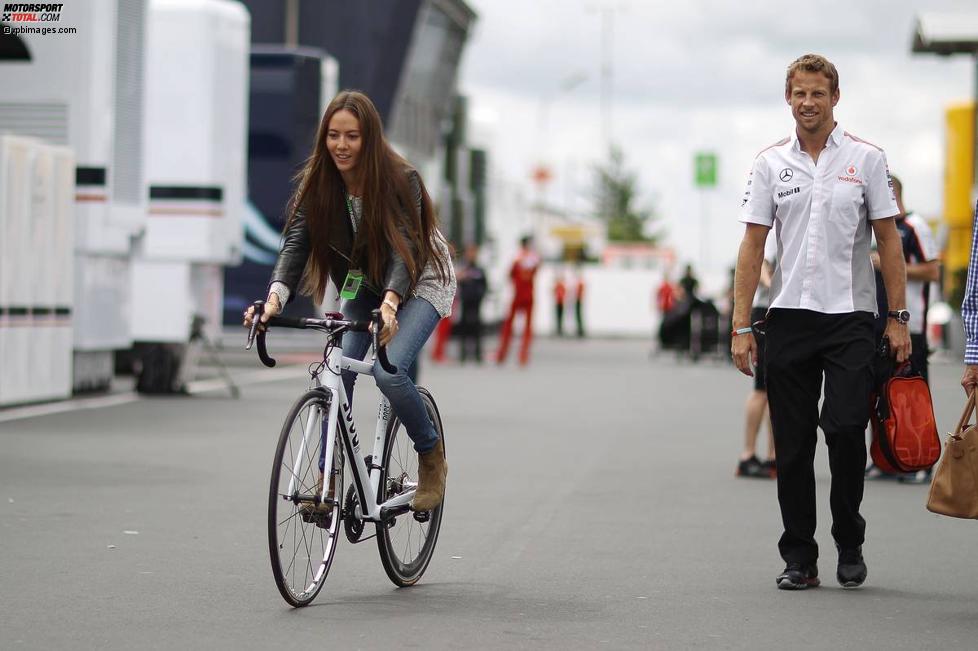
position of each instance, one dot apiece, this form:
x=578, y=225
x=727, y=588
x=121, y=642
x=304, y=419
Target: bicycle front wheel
x=405, y=543
x=302, y=528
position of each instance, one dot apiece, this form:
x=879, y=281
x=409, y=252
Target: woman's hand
x=388, y=314
x=272, y=307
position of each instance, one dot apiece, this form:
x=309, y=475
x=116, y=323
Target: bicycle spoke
x=407, y=543
x=308, y=548
x=295, y=514
x=292, y=561
x=300, y=546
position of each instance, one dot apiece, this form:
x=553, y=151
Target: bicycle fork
x=322, y=425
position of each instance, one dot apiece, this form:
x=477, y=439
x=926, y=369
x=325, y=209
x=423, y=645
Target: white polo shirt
x=821, y=214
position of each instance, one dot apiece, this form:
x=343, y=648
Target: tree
x=615, y=198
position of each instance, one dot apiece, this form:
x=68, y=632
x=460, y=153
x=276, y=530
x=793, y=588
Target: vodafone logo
x=851, y=170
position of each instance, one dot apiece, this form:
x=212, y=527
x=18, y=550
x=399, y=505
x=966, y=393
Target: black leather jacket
x=295, y=250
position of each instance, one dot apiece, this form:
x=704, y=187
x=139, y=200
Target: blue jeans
x=416, y=319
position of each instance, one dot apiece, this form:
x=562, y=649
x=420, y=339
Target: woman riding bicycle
x=361, y=217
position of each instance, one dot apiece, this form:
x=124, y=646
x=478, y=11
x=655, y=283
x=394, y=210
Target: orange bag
x=905, y=435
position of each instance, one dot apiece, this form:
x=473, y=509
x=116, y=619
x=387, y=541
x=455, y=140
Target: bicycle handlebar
x=329, y=324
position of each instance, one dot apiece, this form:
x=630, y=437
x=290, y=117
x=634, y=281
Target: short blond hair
x=813, y=63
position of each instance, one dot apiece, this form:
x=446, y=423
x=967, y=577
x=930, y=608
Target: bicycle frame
x=367, y=481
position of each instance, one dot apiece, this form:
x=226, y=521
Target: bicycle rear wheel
x=302, y=537
x=406, y=544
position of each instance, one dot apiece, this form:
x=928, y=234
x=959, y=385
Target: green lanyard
x=354, y=277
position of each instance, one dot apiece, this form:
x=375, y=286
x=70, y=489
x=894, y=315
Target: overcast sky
x=700, y=75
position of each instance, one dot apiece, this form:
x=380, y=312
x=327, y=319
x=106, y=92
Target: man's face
x=812, y=100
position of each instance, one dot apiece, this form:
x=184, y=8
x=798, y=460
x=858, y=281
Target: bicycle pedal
x=422, y=516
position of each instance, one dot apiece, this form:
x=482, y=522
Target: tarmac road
x=591, y=504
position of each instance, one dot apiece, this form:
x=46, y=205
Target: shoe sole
x=853, y=583
x=785, y=584
x=760, y=474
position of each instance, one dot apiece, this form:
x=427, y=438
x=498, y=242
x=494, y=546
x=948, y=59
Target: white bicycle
x=305, y=503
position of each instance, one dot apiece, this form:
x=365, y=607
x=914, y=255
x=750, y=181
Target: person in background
x=969, y=315
x=521, y=274
x=560, y=296
x=443, y=332
x=579, y=302
x=920, y=254
x=472, y=288
x=756, y=411
x=665, y=295
x=689, y=283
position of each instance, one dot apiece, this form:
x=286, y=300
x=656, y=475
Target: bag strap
x=906, y=369
x=969, y=408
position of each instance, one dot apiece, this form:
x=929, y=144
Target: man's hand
x=970, y=378
x=744, y=351
x=899, y=336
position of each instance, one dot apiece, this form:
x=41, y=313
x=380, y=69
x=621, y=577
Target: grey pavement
x=591, y=504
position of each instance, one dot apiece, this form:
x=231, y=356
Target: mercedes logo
x=786, y=174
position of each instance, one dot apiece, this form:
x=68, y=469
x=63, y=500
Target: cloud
x=701, y=75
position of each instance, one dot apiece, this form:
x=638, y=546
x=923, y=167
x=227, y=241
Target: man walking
x=472, y=288
x=560, y=296
x=920, y=256
x=824, y=191
x=969, y=315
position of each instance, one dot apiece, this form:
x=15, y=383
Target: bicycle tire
x=398, y=454
x=290, y=530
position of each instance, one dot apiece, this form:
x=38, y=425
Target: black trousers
x=470, y=331
x=802, y=346
x=919, y=354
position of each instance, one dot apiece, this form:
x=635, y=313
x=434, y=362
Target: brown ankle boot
x=310, y=510
x=432, y=472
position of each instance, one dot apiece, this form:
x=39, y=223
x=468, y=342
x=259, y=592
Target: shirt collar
x=838, y=133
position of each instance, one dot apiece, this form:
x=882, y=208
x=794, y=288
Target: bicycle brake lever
x=381, y=351
x=255, y=320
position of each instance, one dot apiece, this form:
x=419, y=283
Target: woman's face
x=343, y=140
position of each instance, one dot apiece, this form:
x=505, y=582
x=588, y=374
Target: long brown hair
x=391, y=220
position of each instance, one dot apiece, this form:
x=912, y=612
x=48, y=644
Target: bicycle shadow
x=463, y=600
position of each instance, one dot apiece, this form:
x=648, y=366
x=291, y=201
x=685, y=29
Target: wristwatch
x=902, y=316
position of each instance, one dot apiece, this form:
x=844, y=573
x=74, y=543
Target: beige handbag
x=954, y=489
